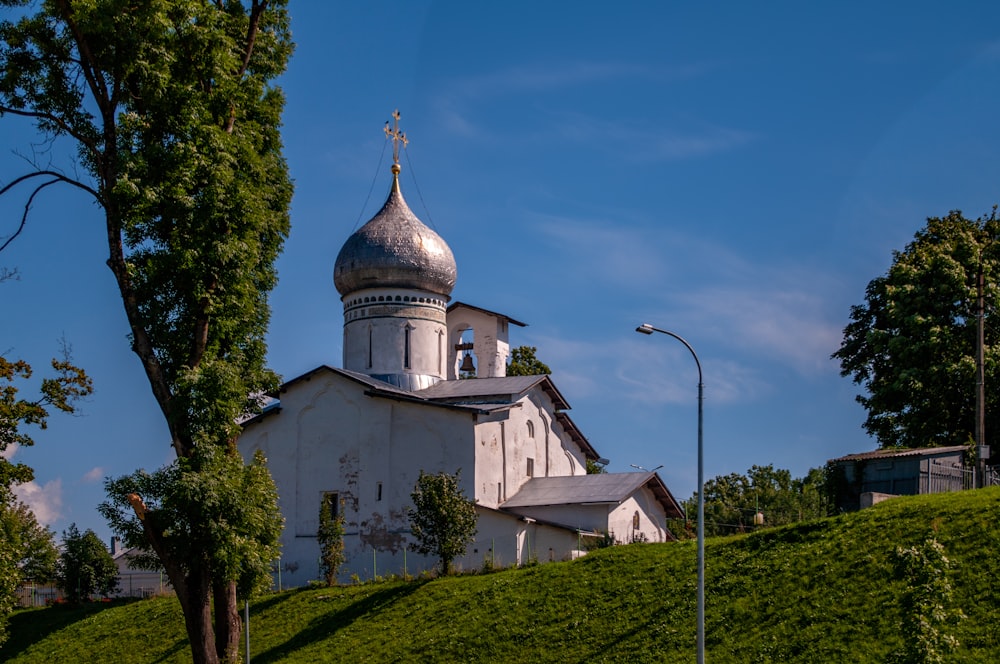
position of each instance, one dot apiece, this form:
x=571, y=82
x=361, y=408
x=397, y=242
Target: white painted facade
x=360, y=436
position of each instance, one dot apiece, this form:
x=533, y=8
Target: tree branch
x=86, y=58
x=55, y=119
x=56, y=178
x=257, y=10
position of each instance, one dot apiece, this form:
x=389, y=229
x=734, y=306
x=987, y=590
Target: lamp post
x=646, y=328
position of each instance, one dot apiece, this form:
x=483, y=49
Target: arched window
x=531, y=429
x=370, y=334
x=406, y=347
x=635, y=520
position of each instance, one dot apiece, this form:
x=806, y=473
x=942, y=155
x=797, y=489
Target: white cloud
x=9, y=452
x=740, y=303
x=95, y=474
x=45, y=500
x=665, y=374
x=788, y=325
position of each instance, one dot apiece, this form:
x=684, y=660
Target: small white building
x=359, y=436
x=134, y=581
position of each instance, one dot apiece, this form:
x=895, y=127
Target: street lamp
x=646, y=328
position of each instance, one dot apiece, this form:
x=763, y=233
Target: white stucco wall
x=330, y=437
x=616, y=519
x=491, y=347
x=652, y=519
x=506, y=540
x=379, y=321
x=506, y=441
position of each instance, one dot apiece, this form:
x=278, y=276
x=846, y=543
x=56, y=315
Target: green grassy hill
x=823, y=591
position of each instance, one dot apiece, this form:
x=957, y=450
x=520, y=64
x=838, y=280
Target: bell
x=467, y=365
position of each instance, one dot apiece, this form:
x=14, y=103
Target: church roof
x=569, y=426
x=463, y=305
x=605, y=488
x=395, y=250
x=376, y=388
x=507, y=388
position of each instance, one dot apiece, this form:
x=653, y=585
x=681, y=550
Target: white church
x=358, y=436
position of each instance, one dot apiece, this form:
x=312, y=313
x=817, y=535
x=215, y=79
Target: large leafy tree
x=912, y=344
x=34, y=542
x=25, y=550
x=85, y=566
x=175, y=122
x=442, y=519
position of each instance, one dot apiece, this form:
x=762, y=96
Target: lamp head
x=645, y=328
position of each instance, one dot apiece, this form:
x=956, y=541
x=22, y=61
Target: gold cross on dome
x=396, y=136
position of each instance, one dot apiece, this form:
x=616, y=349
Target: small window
x=378, y=491
x=332, y=498
x=531, y=467
x=635, y=520
x=531, y=429
x=499, y=492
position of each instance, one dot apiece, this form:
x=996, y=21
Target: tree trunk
x=227, y=622
x=197, y=608
x=193, y=590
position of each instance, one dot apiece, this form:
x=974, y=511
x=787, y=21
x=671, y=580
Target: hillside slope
x=824, y=591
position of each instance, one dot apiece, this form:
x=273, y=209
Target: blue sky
x=736, y=173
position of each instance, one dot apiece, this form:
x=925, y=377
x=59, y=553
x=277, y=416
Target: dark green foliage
x=733, y=502
x=85, y=566
x=911, y=345
x=524, y=363
x=929, y=617
x=239, y=543
x=26, y=548
x=69, y=386
x=175, y=121
x=34, y=543
x=594, y=468
x=331, y=540
x=442, y=519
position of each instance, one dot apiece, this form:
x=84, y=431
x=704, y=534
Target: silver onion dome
x=395, y=250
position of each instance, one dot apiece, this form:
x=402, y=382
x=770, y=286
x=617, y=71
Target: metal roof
x=395, y=249
x=893, y=453
x=605, y=488
x=508, y=388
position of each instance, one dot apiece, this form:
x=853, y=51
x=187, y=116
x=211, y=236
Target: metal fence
x=941, y=478
x=36, y=594
x=138, y=584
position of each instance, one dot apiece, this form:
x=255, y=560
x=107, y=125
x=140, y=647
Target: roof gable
x=507, y=388
x=609, y=488
x=462, y=305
